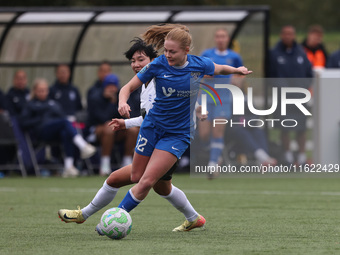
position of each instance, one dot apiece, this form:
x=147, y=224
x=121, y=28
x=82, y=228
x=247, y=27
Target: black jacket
x=38, y=113
x=334, y=60
x=289, y=63
x=134, y=99
x=3, y=104
x=16, y=100
x=100, y=109
x=67, y=96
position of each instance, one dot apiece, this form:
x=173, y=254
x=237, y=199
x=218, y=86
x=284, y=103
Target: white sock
x=68, y=162
x=301, y=158
x=79, y=141
x=261, y=155
x=105, y=161
x=289, y=157
x=179, y=200
x=103, y=197
x=127, y=160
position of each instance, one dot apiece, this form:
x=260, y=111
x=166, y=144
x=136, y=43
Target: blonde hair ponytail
x=157, y=34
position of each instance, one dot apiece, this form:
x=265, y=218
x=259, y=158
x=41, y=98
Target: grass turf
x=244, y=216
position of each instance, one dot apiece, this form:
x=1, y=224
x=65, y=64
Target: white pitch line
x=262, y=192
x=76, y=190
x=7, y=189
x=188, y=191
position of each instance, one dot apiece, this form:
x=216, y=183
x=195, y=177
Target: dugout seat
x=7, y=140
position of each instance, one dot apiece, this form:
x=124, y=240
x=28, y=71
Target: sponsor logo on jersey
x=169, y=92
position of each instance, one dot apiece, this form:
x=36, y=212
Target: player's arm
x=124, y=94
x=225, y=70
x=120, y=124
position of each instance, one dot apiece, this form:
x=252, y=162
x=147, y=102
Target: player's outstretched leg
x=179, y=200
x=104, y=196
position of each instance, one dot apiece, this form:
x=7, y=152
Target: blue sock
x=216, y=148
x=129, y=202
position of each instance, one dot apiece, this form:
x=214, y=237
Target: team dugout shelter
x=38, y=39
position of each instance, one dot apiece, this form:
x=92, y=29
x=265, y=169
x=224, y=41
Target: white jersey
x=147, y=97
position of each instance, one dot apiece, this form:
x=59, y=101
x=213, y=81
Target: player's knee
x=134, y=178
x=107, y=131
x=113, y=181
x=162, y=188
x=133, y=131
x=145, y=184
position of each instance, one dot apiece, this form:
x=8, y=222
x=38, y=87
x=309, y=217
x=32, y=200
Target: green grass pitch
x=244, y=216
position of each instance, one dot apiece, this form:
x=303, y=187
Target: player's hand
x=124, y=110
x=200, y=116
x=243, y=70
x=117, y=124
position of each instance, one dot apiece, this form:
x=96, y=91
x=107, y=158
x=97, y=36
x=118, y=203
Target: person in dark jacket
x=103, y=70
x=102, y=106
x=65, y=93
x=17, y=96
x=288, y=60
x=314, y=48
x=44, y=119
x=334, y=60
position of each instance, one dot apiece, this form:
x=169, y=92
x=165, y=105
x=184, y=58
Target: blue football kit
x=227, y=57
x=168, y=125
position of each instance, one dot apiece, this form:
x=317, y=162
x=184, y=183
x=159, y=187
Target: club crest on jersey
x=169, y=92
x=144, y=68
x=195, y=75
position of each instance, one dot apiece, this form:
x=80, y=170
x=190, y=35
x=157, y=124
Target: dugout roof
x=37, y=39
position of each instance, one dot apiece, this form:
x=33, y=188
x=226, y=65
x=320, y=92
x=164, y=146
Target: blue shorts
x=151, y=137
x=218, y=111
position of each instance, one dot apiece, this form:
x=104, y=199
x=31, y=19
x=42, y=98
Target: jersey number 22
x=141, y=143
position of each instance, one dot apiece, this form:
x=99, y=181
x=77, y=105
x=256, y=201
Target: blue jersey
x=176, y=91
x=229, y=57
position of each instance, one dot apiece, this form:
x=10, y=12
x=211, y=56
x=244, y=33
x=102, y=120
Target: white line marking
x=7, y=189
x=188, y=191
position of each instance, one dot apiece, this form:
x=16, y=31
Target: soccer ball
x=115, y=223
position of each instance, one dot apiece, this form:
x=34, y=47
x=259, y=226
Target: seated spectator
x=334, y=60
x=17, y=96
x=45, y=120
x=65, y=93
x=102, y=107
x=314, y=48
x=3, y=108
x=103, y=70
